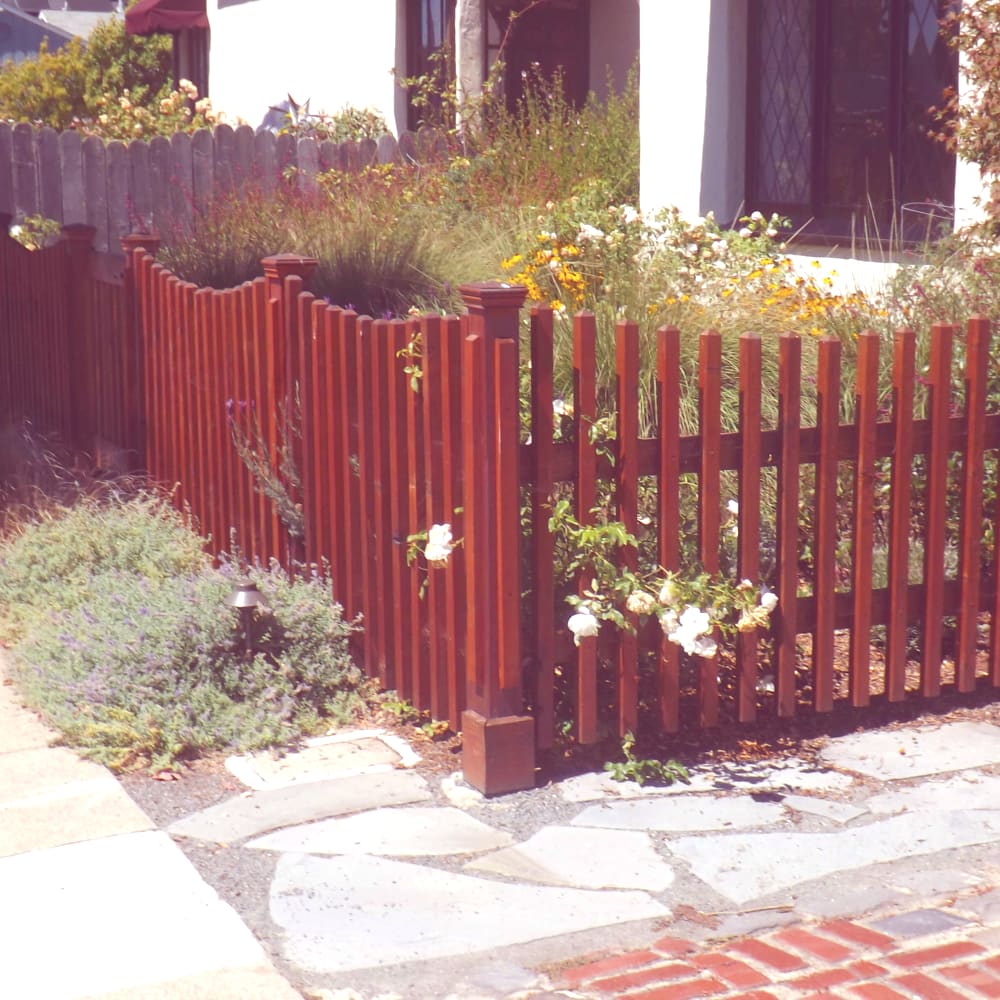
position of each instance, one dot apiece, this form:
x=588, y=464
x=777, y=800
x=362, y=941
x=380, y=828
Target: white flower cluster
x=691, y=630
x=439, y=545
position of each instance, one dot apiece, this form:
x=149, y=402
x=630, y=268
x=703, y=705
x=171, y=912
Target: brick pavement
x=836, y=959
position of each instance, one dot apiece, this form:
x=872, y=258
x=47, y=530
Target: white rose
x=640, y=603
x=768, y=600
x=667, y=592
x=695, y=620
x=583, y=625
x=439, y=544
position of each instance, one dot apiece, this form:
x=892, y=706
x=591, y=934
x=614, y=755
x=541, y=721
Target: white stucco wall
x=331, y=52
x=693, y=106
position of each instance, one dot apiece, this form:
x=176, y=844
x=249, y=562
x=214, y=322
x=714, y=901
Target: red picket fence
x=68, y=351
x=352, y=459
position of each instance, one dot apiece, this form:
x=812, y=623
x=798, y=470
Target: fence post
x=281, y=320
x=498, y=740
x=78, y=240
x=134, y=362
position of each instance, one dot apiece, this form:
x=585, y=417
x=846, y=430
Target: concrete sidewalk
x=94, y=902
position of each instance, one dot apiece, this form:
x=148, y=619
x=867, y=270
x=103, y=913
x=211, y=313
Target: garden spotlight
x=245, y=597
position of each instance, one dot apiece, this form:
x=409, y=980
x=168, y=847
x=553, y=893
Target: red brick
x=630, y=960
x=829, y=951
x=876, y=991
x=673, y=946
x=820, y=980
x=864, y=969
x=846, y=930
x=980, y=980
x=769, y=955
x=758, y=995
x=937, y=955
x=924, y=986
x=644, y=977
x=993, y=963
x=681, y=991
x=726, y=967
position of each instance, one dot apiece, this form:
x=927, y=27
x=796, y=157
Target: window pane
x=858, y=136
x=784, y=84
x=930, y=67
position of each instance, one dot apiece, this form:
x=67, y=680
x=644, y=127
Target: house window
x=430, y=36
x=838, y=94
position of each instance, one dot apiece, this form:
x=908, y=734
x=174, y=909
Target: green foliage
x=350, y=124
x=380, y=252
x=117, y=63
x=117, y=87
x=645, y=771
x=50, y=561
x=49, y=90
x=71, y=87
x=969, y=122
x=127, y=646
x=35, y=232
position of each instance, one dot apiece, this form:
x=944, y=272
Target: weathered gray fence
x=160, y=184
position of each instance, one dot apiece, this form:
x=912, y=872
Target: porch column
x=470, y=46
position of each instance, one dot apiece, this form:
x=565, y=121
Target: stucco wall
x=331, y=52
x=693, y=106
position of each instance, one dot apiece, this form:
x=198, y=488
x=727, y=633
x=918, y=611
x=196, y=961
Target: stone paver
x=401, y=832
x=914, y=923
x=256, y=813
x=746, y=866
x=968, y=790
x=689, y=812
x=356, y=912
x=116, y=915
x=335, y=756
x=839, y=812
x=912, y=753
x=583, y=858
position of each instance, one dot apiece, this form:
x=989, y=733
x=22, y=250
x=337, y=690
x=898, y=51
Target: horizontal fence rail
x=297, y=431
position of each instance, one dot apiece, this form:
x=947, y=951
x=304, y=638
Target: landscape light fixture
x=245, y=597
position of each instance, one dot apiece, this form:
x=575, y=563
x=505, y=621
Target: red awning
x=148, y=17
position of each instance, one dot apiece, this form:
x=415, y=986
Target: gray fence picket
x=25, y=170
x=95, y=188
x=49, y=173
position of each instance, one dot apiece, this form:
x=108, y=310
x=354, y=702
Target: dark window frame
x=820, y=217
